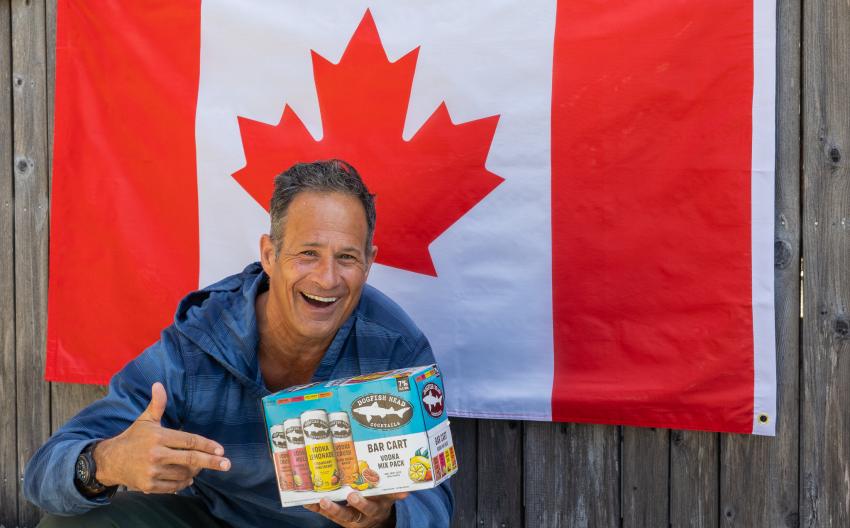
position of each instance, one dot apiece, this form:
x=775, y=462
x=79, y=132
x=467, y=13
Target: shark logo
x=376, y=411
x=294, y=435
x=340, y=429
x=279, y=439
x=316, y=429
x=432, y=398
x=381, y=411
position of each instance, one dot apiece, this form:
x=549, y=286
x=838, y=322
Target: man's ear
x=268, y=254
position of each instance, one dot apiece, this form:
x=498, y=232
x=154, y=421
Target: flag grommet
x=764, y=418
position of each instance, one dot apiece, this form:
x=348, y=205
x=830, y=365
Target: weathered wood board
x=572, y=475
x=825, y=351
x=500, y=473
x=694, y=500
x=465, y=483
x=8, y=378
x=646, y=474
x=29, y=147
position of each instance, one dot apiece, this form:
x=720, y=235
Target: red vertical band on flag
x=651, y=174
x=124, y=211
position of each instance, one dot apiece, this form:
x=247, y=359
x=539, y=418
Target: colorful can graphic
x=320, y=450
x=437, y=470
x=451, y=460
x=281, y=459
x=442, y=458
x=297, y=455
x=346, y=456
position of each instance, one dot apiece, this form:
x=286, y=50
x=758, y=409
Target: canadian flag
x=575, y=199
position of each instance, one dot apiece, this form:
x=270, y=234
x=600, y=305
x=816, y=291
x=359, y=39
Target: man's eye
x=346, y=256
x=309, y=253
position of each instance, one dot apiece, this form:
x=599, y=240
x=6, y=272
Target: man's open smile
x=317, y=301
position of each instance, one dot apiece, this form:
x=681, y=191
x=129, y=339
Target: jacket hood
x=221, y=320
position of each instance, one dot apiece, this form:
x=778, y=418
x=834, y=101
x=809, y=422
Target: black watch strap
x=85, y=471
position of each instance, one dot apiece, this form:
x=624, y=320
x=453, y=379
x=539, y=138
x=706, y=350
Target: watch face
x=82, y=469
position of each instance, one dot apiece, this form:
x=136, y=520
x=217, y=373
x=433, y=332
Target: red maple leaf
x=423, y=186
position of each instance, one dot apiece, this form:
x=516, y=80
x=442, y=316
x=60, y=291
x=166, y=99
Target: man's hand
x=361, y=512
x=150, y=458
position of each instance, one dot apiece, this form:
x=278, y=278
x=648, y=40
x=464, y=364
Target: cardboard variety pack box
x=377, y=433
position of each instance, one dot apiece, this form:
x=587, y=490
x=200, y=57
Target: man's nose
x=325, y=275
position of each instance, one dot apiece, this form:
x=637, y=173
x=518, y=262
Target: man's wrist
x=101, y=460
x=85, y=479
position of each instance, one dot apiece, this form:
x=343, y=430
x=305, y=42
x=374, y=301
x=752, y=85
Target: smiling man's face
x=316, y=279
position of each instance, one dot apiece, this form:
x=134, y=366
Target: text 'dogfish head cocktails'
x=384, y=432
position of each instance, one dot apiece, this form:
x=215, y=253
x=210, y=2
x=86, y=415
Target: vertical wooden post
x=8, y=442
x=694, y=479
x=465, y=482
x=825, y=420
x=646, y=474
x=500, y=471
x=759, y=476
x=572, y=475
x=29, y=103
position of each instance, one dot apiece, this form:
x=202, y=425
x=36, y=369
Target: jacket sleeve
x=431, y=508
x=49, y=475
x=426, y=508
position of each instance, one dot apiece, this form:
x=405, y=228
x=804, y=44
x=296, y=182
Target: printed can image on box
x=384, y=432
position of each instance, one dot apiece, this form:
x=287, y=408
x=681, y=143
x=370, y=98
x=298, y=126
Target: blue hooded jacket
x=207, y=361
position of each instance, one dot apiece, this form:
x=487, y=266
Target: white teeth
x=320, y=299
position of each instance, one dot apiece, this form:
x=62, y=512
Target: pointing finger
x=190, y=441
x=196, y=459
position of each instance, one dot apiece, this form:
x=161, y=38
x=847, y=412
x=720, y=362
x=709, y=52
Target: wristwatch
x=84, y=474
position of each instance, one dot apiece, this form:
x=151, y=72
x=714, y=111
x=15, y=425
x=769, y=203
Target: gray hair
x=320, y=176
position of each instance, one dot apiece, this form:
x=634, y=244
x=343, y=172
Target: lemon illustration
x=419, y=469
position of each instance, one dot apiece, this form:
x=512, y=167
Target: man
x=184, y=417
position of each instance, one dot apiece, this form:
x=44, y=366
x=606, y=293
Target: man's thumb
x=156, y=408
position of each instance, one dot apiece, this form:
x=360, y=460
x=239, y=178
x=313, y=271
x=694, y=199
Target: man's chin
x=320, y=329
x=311, y=316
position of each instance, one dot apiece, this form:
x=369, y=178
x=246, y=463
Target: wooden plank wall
x=8, y=432
x=825, y=394
x=29, y=168
x=526, y=473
